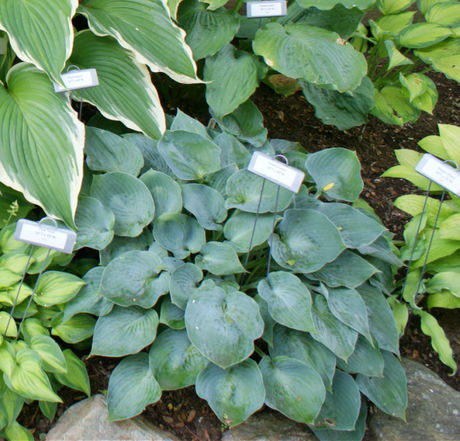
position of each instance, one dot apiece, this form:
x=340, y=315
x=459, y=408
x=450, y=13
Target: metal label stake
x=270, y=169
x=444, y=175
x=45, y=236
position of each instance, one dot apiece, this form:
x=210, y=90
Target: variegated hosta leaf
x=145, y=28
x=325, y=5
x=136, y=103
x=40, y=32
x=207, y=29
x=313, y=54
x=41, y=143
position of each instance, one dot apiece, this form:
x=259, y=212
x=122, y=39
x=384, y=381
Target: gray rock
x=87, y=421
x=269, y=426
x=433, y=411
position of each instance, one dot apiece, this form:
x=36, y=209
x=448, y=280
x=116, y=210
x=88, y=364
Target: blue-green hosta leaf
x=76, y=376
x=120, y=245
x=134, y=279
x=339, y=167
x=233, y=77
x=223, y=326
x=389, y=392
x=207, y=29
x=166, y=192
x=190, y=155
x=443, y=57
x=179, y=233
x=325, y=5
x=366, y=360
x=80, y=327
x=447, y=14
x=40, y=33
x=238, y=230
x=145, y=28
x=129, y=200
x=188, y=124
x=171, y=315
x=148, y=148
x=269, y=323
x=131, y=387
x=301, y=346
x=124, y=331
x=174, y=361
x=28, y=379
x=18, y=433
x=381, y=321
x=50, y=353
x=313, y=54
x=348, y=270
x=218, y=180
x=439, y=340
x=380, y=249
x=348, y=306
x=341, y=406
x=331, y=332
x=289, y=300
x=306, y=241
x=95, y=224
x=206, y=204
x=244, y=123
x=108, y=152
x=56, y=287
x=232, y=151
x=41, y=142
x=387, y=7
x=89, y=299
x=342, y=110
x=292, y=388
x=233, y=394
x=12, y=328
x=227, y=283
x=420, y=35
x=219, y=259
x=184, y=280
x=244, y=188
x=136, y=104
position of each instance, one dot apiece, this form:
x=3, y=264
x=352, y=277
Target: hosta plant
x=32, y=365
x=440, y=282
x=308, y=335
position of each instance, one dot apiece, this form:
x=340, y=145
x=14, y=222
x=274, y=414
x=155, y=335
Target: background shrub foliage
x=171, y=209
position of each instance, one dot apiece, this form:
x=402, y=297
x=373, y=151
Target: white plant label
x=78, y=79
x=2, y=45
x=276, y=172
x=440, y=172
x=263, y=9
x=45, y=236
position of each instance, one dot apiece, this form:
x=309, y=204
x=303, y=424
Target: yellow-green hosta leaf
x=425, y=5
x=409, y=173
x=392, y=107
x=50, y=353
x=313, y=54
x=443, y=299
x=12, y=329
x=433, y=144
x=76, y=376
x=396, y=58
x=422, y=35
x=41, y=142
x=395, y=23
x=7, y=295
x=326, y=5
x=393, y=6
x=55, y=287
x=439, y=341
x=446, y=280
x=413, y=204
x=28, y=379
x=450, y=228
x=447, y=14
x=16, y=432
x=33, y=327
x=427, y=100
x=136, y=103
x=78, y=328
x=450, y=136
x=414, y=83
x=40, y=32
x=145, y=28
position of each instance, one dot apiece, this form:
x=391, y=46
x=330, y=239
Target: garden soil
x=182, y=412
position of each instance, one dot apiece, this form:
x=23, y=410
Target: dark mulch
x=182, y=412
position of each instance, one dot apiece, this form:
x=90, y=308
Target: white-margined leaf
x=233, y=394
x=145, y=28
x=311, y=53
x=223, y=326
x=40, y=33
x=132, y=387
x=41, y=142
x=207, y=29
x=129, y=200
x=124, y=331
x=174, y=361
x=95, y=224
x=135, y=279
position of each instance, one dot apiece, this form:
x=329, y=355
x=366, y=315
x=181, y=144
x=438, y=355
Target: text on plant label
x=439, y=172
x=265, y=9
x=78, y=79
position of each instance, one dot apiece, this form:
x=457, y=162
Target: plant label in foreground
x=263, y=9
x=439, y=172
x=276, y=172
x=46, y=236
x=78, y=79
